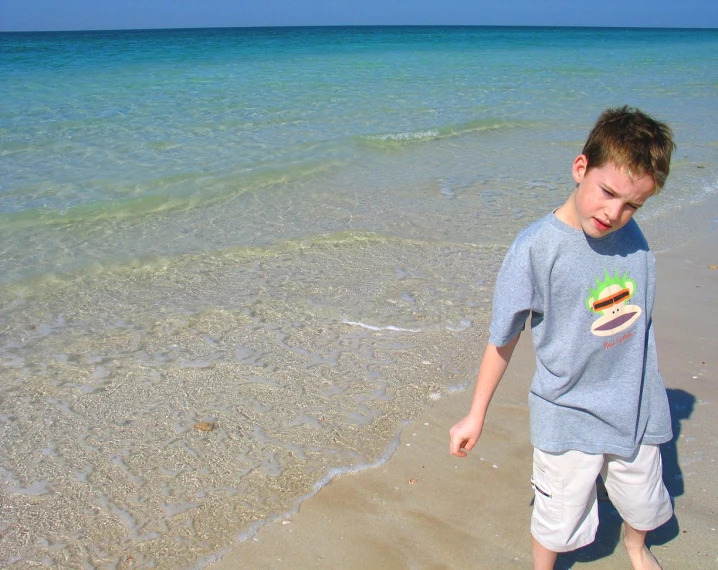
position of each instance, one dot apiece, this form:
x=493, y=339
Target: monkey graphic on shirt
x=610, y=301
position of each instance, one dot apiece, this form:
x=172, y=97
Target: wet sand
x=426, y=509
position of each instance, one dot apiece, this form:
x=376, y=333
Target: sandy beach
x=425, y=509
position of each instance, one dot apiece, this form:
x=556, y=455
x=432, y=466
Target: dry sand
x=426, y=509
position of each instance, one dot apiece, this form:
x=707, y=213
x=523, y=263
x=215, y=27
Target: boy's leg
x=635, y=541
x=544, y=559
x=638, y=553
x=635, y=487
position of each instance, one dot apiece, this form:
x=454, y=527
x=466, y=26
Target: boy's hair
x=633, y=141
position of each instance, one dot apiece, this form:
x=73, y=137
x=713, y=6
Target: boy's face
x=605, y=199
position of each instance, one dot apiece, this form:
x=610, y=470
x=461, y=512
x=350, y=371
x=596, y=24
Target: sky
x=47, y=15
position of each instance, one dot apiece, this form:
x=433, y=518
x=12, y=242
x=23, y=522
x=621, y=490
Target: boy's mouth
x=600, y=225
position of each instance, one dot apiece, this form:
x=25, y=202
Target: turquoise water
x=290, y=234
x=109, y=133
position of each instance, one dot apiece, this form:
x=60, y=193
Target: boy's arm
x=466, y=432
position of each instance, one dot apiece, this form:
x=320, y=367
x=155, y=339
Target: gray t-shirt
x=597, y=387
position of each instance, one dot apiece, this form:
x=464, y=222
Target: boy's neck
x=567, y=212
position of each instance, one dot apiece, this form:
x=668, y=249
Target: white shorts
x=565, y=514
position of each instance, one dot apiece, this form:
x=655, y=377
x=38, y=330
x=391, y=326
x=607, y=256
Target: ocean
x=236, y=263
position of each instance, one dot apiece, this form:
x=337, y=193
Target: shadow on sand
x=609, y=530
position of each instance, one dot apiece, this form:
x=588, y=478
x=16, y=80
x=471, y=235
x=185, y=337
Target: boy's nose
x=613, y=211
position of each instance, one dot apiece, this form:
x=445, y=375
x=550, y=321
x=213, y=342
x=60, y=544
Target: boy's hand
x=464, y=436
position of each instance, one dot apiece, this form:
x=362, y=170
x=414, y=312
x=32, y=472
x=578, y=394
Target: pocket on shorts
x=548, y=500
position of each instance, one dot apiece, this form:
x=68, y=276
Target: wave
x=442, y=132
x=141, y=266
x=392, y=328
x=164, y=194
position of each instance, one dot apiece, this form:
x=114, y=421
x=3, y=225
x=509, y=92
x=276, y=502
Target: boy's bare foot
x=643, y=559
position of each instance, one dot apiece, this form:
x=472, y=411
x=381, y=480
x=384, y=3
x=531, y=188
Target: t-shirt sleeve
x=512, y=296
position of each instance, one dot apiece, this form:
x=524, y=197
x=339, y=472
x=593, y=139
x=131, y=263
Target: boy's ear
x=580, y=166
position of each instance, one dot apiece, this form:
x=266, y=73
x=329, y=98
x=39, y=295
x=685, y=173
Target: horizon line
x=299, y=26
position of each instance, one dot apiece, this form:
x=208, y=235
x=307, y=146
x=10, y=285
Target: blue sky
x=18, y=15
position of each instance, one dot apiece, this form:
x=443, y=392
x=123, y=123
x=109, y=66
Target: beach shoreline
x=425, y=509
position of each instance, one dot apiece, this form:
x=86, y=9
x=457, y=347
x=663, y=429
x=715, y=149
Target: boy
x=597, y=401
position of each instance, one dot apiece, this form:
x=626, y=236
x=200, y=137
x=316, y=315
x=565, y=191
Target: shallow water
x=236, y=262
